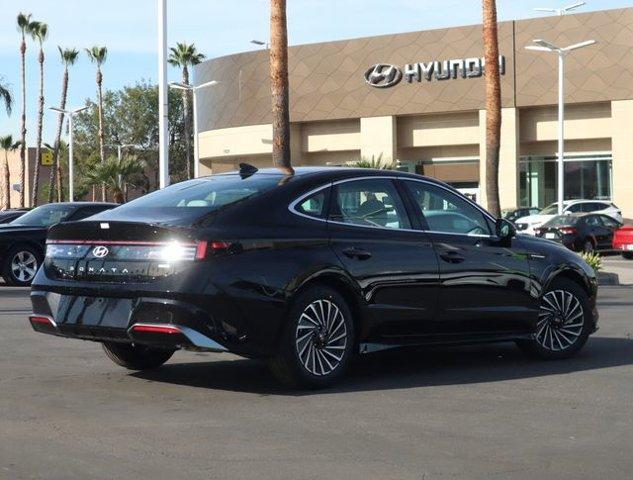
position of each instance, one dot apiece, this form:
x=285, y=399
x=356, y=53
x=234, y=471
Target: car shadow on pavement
x=399, y=369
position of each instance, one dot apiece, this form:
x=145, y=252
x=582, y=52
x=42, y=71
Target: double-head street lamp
x=260, y=43
x=561, y=11
x=194, y=89
x=71, y=163
x=544, y=46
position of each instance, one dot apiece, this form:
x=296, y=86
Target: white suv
x=529, y=223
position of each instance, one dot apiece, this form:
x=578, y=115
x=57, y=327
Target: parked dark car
x=516, y=213
x=307, y=270
x=23, y=241
x=581, y=232
x=11, y=214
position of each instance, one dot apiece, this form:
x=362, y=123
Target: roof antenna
x=246, y=170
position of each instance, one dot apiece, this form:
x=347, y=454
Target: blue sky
x=218, y=27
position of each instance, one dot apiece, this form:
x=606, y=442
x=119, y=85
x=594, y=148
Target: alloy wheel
x=561, y=320
x=24, y=266
x=321, y=337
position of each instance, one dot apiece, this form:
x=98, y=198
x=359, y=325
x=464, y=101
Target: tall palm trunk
x=493, y=105
x=23, y=123
x=56, y=171
x=6, y=190
x=40, y=124
x=187, y=118
x=279, y=86
x=101, y=142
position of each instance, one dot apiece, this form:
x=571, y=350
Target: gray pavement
x=615, y=264
x=67, y=413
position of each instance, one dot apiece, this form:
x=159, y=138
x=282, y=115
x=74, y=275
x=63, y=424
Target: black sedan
x=306, y=271
x=581, y=232
x=11, y=214
x=23, y=241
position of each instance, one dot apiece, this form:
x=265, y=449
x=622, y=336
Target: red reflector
x=164, y=329
x=568, y=231
x=42, y=320
x=205, y=248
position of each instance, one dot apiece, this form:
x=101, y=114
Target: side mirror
x=505, y=229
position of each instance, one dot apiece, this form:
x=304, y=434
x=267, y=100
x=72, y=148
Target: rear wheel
x=588, y=247
x=136, y=357
x=317, y=342
x=20, y=265
x=564, y=322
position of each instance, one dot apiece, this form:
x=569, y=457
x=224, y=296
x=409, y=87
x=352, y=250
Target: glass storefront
x=586, y=177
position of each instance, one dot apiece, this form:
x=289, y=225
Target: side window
x=369, y=203
x=314, y=205
x=593, y=221
x=577, y=207
x=609, y=222
x=446, y=212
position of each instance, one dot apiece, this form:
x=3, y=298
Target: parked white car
x=528, y=224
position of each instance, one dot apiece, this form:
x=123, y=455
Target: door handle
x=452, y=256
x=355, y=252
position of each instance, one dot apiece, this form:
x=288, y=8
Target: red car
x=623, y=240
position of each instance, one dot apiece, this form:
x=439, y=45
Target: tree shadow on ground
x=400, y=369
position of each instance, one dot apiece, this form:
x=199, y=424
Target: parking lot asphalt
x=67, y=412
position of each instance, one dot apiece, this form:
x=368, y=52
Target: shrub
x=593, y=260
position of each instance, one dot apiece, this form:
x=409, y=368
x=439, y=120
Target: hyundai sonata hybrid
x=306, y=271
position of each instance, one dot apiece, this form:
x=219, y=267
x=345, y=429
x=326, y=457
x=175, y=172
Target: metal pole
x=561, y=131
x=71, y=163
x=120, y=157
x=163, y=132
x=196, y=146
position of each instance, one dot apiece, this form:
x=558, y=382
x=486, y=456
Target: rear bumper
x=151, y=321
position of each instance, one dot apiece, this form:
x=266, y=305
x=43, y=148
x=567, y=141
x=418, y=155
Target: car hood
x=535, y=219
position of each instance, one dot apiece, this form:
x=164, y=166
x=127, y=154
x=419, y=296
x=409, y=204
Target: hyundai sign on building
x=419, y=99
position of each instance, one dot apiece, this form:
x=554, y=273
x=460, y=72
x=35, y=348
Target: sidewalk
x=616, y=271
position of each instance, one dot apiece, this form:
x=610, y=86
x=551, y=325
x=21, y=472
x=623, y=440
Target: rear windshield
x=562, y=221
x=195, y=198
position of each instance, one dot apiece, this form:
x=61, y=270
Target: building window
x=586, y=177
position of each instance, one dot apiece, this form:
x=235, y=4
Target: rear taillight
x=568, y=231
x=151, y=328
x=207, y=249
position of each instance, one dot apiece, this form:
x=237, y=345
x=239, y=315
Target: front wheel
x=136, y=357
x=317, y=341
x=564, y=322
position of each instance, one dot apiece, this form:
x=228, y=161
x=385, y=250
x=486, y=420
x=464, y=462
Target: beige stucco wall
x=438, y=129
x=378, y=138
x=331, y=136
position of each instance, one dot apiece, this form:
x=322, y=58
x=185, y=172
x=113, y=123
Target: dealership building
x=418, y=99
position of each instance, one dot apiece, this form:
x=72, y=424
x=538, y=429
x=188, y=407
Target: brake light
x=42, y=320
x=568, y=231
x=206, y=248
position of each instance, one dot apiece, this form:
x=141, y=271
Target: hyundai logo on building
x=100, y=251
x=384, y=75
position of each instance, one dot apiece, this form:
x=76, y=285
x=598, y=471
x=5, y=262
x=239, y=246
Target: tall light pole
x=544, y=46
x=163, y=132
x=194, y=89
x=71, y=162
x=561, y=11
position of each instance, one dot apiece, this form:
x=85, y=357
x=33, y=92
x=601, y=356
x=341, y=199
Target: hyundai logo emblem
x=383, y=75
x=100, y=251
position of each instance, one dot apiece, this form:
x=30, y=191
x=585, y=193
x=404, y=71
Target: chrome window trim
x=292, y=206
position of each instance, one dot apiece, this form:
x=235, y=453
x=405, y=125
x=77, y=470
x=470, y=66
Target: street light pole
x=71, y=162
x=561, y=11
x=196, y=146
x=163, y=132
x=544, y=46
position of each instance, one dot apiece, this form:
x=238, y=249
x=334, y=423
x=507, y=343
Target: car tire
x=627, y=255
x=317, y=340
x=136, y=357
x=564, y=323
x=20, y=265
x=588, y=247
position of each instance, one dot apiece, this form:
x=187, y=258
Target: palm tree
x=25, y=27
x=493, y=105
x=8, y=145
x=68, y=57
x=40, y=33
x=115, y=174
x=279, y=86
x=184, y=55
x=98, y=56
x=5, y=96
